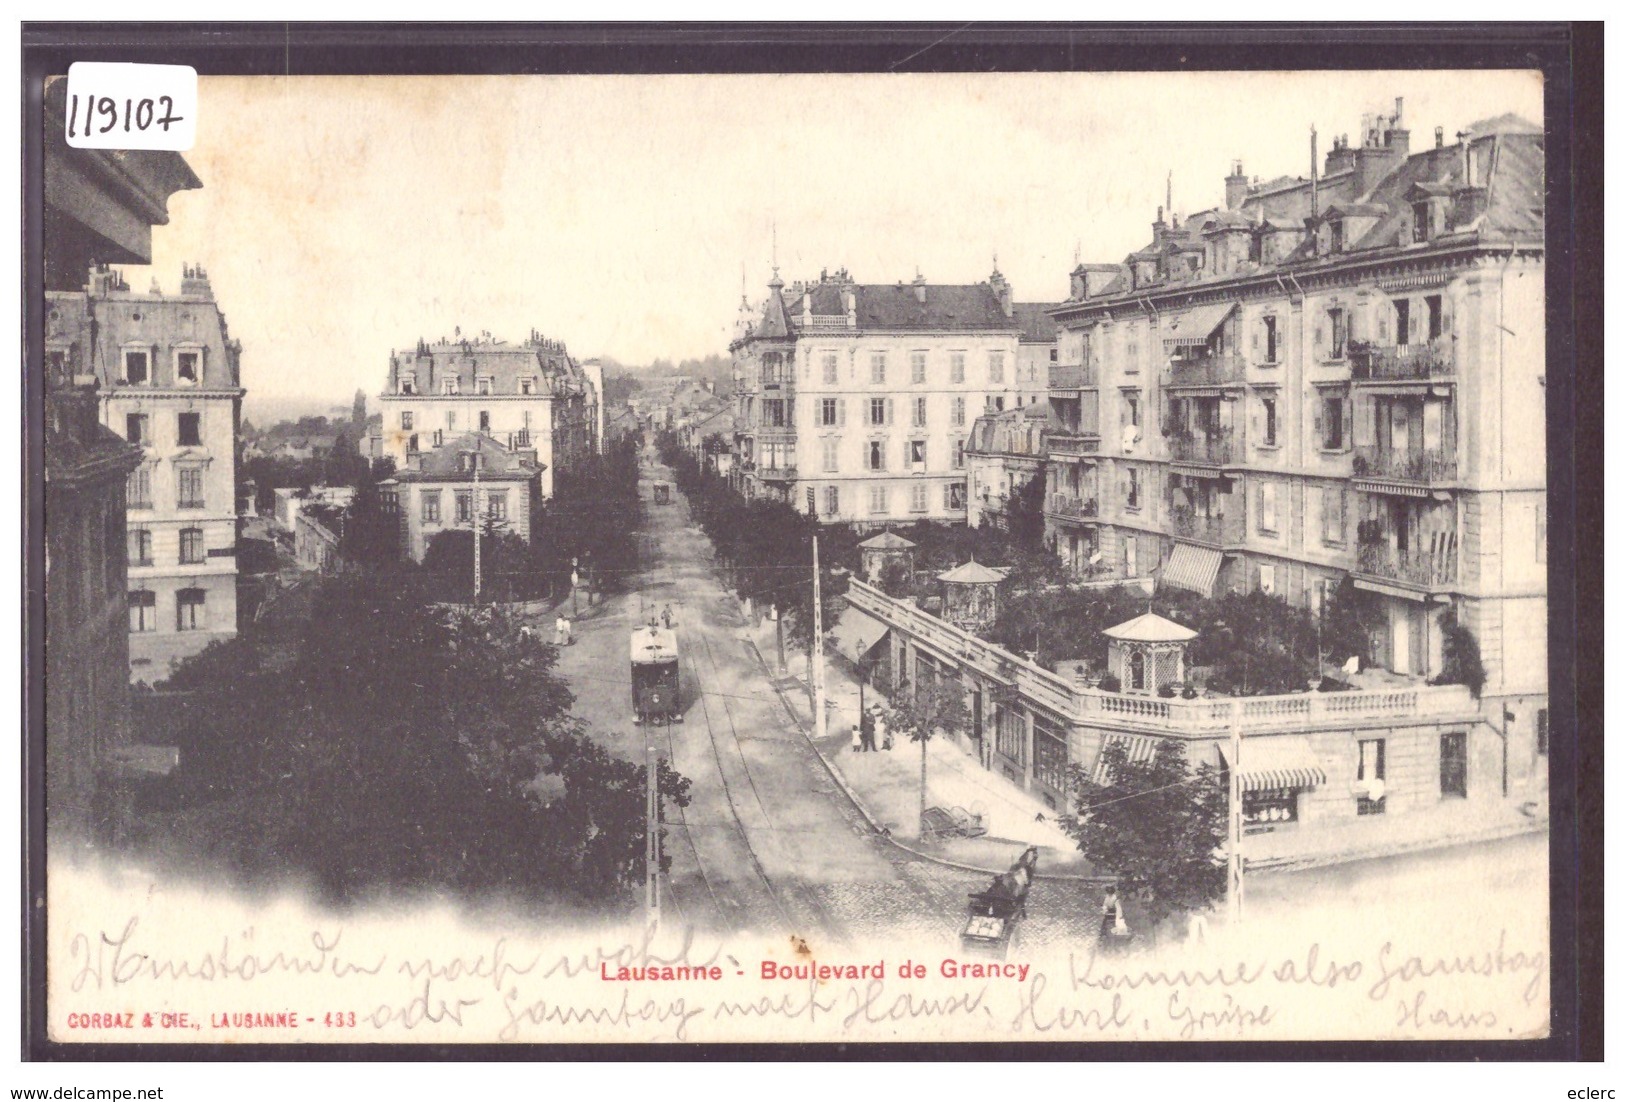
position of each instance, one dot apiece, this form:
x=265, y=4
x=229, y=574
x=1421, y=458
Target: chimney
x=851, y=298
x=1438, y=137
x=919, y=287
x=1341, y=156
x=1235, y=187
x=1080, y=284
x=195, y=282
x=1001, y=287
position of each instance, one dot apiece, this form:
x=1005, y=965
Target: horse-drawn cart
x=993, y=917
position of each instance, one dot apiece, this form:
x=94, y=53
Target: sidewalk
x=886, y=784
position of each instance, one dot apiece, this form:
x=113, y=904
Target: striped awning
x=1141, y=748
x=1193, y=568
x=1196, y=326
x=857, y=633
x=1278, y=761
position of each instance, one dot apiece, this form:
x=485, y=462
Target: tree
x=1157, y=826
x=921, y=710
x=1462, y=662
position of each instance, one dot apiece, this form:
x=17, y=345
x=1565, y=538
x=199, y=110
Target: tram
x=655, y=686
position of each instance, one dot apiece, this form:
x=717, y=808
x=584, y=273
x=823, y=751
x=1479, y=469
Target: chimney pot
x=1438, y=137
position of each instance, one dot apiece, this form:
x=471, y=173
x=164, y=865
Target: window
x=1132, y=491
x=1049, y=754
x=916, y=367
x=1271, y=351
x=1268, y=405
x=143, y=610
x=452, y=384
x=186, y=367
x=485, y=420
x=1540, y=533
x=191, y=545
x=956, y=367
x=958, y=419
x=995, y=367
x=917, y=497
x=136, y=368
x=959, y=454
x=1131, y=557
x=1266, y=508
x=464, y=501
x=916, y=455
x=430, y=501
x=919, y=412
x=189, y=429
x=189, y=610
x=1435, y=306
x=827, y=411
x=190, y=480
x=878, y=408
x=1320, y=595
x=138, y=489
x=1370, y=769
x=1337, y=317
x=135, y=428
x=482, y=385
x=832, y=500
x=412, y=443
x=1402, y=321
x=1419, y=221
x=409, y=384
x=877, y=499
x=1131, y=408
x=832, y=365
x=527, y=385
x=1331, y=423
x=955, y=495
x=1266, y=577
x=406, y=421
x=1336, y=228
x=877, y=455
x=496, y=505
x=877, y=368
x=138, y=546
x=1010, y=734
x=1543, y=732
x=1453, y=764
x=832, y=453
x=1332, y=501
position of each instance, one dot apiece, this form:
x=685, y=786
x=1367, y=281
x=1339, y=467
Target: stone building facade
x=1329, y=378
x=855, y=401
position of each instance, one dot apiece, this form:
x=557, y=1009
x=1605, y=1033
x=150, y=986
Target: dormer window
x=188, y=366
x=137, y=367
x=1419, y=221
x=1335, y=227
x=409, y=384
x=451, y=385
x=482, y=385
x=527, y=385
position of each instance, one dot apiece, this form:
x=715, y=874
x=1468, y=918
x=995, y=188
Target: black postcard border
x=1570, y=57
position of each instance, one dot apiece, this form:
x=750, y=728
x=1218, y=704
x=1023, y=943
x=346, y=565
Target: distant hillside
x=659, y=374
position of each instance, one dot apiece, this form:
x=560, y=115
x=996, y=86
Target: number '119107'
x=142, y=114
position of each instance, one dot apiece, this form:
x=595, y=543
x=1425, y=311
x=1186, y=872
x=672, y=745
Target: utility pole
x=651, y=841
x=476, y=518
x=816, y=673
x=1235, y=887
x=778, y=621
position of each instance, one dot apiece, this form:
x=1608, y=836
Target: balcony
x=1208, y=371
x=1074, y=508
x=1071, y=376
x=1433, y=571
x=1223, y=532
x=1220, y=448
x=1421, y=468
x=777, y=474
x=1404, y=363
x=778, y=384
x=1071, y=442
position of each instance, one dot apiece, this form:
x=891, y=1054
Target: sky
x=342, y=217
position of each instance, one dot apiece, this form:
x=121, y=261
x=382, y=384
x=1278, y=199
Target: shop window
x=1262, y=811
x=1371, y=771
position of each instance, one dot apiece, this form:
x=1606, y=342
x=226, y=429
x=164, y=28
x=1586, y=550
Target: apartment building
x=529, y=397
x=470, y=481
x=855, y=401
x=1330, y=377
x=168, y=373
x=1005, y=453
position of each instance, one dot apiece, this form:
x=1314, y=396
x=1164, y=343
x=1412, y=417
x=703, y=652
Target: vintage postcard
x=822, y=558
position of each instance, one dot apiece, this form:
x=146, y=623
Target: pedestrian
x=665, y=615
x=866, y=729
x=558, y=631
x=569, y=634
x=857, y=736
x=1111, y=914
x=882, y=728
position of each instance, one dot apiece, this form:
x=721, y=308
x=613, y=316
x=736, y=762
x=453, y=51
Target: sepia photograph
x=776, y=557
